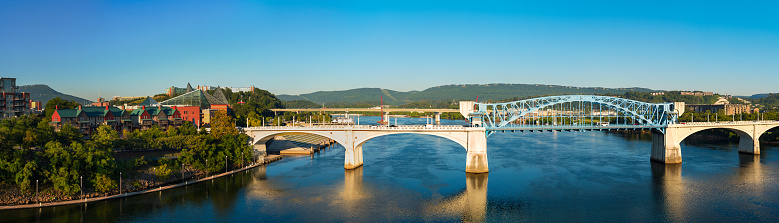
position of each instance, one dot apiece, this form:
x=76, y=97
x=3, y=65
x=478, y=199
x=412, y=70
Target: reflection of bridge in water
x=355, y=197
x=555, y=113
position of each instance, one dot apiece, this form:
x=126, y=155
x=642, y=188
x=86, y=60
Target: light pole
x=242, y=160
x=206, y=167
x=82, y=186
x=225, y=164
x=37, y=196
x=182, y=171
x=120, y=182
x=154, y=178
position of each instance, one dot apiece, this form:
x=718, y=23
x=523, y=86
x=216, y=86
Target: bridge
x=554, y=113
x=436, y=111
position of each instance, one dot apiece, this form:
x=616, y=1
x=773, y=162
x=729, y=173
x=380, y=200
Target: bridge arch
x=651, y=114
x=263, y=137
x=747, y=142
x=450, y=137
x=742, y=133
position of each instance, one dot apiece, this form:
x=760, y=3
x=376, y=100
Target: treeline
x=32, y=150
x=301, y=104
x=771, y=101
x=256, y=105
x=669, y=96
x=453, y=92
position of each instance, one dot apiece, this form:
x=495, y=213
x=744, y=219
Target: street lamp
x=206, y=167
x=120, y=182
x=37, y=196
x=182, y=171
x=82, y=186
x=154, y=178
x=225, y=164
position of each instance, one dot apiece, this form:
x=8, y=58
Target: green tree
x=222, y=125
x=163, y=171
x=69, y=134
x=105, y=136
x=63, y=168
x=172, y=131
x=23, y=177
x=103, y=183
x=188, y=129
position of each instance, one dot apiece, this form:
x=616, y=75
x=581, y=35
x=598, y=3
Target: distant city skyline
x=131, y=48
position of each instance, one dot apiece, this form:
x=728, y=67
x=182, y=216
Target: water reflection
x=262, y=189
x=672, y=191
x=470, y=204
x=751, y=174
x=353, y=190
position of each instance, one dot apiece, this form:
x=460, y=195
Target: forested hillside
x=451, y=92
x=44, y=93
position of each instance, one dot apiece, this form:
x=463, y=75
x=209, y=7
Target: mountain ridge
x=451, y=92
x=44, y=93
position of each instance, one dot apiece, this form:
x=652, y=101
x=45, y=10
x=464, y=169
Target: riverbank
x=163, y=186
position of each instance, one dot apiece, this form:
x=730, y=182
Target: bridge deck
x=361, y=127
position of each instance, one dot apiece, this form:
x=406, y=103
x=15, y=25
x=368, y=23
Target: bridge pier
x=353, y=158
x=353, y=153
x=476, y=160
x=666, y=147
x=437, y=118
x=749, y=143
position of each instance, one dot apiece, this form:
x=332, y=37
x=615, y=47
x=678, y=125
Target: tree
x=223, y=125
x=103, y=183
x=163, y=171
x=188, y=129
x=52, y=104
x=69, y=134
x=172, y=131
x=24, y=175
x=62, y=173
x=105, y=136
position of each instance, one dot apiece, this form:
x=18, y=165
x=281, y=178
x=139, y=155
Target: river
x=539, y=176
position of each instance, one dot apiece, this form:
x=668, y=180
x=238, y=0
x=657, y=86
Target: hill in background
x=43, y=93
x=452, y=92
x=757, y=96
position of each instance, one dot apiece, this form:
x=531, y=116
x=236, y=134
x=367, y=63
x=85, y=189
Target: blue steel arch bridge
x=571, y=112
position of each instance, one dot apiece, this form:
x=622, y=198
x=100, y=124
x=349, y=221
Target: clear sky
x=131, y=48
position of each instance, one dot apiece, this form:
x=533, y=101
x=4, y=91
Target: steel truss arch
x=497, y=115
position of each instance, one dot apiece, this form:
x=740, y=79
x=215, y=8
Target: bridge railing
x=728, y=123
x=363, y=127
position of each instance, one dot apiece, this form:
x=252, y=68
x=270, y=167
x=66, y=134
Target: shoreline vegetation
x=170, y=184
x=40, y=164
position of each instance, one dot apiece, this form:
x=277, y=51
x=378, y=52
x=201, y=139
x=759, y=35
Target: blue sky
x=131, y=48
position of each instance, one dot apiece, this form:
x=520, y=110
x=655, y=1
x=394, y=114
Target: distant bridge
x=436, y=111
x=555, y=113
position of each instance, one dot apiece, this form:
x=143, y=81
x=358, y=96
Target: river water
x=540, y=176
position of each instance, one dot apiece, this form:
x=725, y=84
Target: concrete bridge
x=555, y=113
x=353, y=137
x=666, y=146
x=436, y=111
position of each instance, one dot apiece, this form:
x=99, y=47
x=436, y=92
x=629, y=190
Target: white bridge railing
x=728, y=123
x=362, y=127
